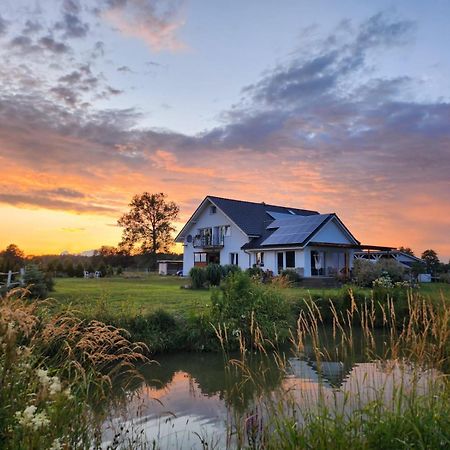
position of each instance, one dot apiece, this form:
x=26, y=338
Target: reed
x=56, y=374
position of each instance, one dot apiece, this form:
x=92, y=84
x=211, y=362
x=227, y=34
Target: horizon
x=334, y=108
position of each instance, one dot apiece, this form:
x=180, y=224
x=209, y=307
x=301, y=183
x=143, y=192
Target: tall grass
x=56, y=374
x=401, y=401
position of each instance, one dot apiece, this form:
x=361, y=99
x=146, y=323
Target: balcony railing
x=208, y=242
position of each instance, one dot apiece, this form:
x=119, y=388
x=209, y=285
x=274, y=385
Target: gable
x=333, y=233
x=203, y=217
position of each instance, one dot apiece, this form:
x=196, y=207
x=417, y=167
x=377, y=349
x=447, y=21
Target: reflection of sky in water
x=197, y=403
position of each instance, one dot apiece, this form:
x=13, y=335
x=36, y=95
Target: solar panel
x=278, y=215
x=294, y=229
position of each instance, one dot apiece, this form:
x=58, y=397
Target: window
x=234, y=259
x=260, y=259
x=280, y=261
x=290, y=260
x=199, y=257
x=212, y=209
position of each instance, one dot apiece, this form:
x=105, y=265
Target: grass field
x=146, y=293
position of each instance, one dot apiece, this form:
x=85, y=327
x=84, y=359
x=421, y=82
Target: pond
x=200, y=400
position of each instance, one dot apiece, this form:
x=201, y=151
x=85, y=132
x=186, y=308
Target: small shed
x=169, y=266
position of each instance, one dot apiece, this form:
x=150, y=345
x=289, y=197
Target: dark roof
x=252, y=218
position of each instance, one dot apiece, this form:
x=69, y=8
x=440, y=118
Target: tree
x=407, y=250
x=148, y=224
x=12, y=258
x=431, y=260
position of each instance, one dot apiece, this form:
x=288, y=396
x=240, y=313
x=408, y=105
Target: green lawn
x=130, y=295
x=147, y=293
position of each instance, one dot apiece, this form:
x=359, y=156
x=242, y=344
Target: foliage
x=259, y=274
x=292, y=275
x=12, y=258
x=407, y=250
x=198, y=277
x=431, y=260
x=56, y=375
x=39, y=284
x=365, y=272
x=444, y=278
x=230, y=268
x=214, y=274
x=148, y=224
x=243, y=306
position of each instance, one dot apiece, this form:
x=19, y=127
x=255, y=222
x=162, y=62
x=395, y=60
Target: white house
x=246, y=234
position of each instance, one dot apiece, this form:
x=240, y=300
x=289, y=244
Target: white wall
x=232, y=244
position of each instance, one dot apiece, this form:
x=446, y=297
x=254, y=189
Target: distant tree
x=431, y=260
x=148, y=224
x=70, y=271
x=407, y=250
x=79, y=270
x=59, y=268
x=12, y=257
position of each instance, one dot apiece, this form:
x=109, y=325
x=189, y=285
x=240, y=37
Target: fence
x=11, y=279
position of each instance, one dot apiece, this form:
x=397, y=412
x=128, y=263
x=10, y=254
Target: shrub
x=214, y=274
x=198, y=277
x=444, y=278
x=292, y=275
x=392, y=268
x=230, y=268
x=243, y=304
x=38, y=283
x=366, y=272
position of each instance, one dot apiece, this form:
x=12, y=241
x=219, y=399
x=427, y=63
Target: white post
x=22, y=276
x=8, y=280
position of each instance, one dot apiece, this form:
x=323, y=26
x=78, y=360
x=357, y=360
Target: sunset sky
x=337, y=106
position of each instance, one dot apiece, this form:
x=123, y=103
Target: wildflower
x=26, y=417
x=40, y=421
x=56, y=445
x=55, y=386
x=43, y=377
x=67, y=393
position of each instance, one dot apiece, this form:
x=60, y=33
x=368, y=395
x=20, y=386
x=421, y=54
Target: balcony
x=208, y=242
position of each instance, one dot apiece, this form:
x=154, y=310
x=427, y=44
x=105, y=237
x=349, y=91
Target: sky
x=333, y=106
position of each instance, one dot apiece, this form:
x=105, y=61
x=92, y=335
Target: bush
x=38, y=283
x=214, y=274
x=392, y=268
x=444, y=278
x=198, y=277
x=242, y=303
x=365, y=272
x=292, y=275
x=230, y=268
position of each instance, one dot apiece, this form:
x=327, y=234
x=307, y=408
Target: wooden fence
x=12, y=279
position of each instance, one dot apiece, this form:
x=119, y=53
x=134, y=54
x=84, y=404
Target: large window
x=290, y=260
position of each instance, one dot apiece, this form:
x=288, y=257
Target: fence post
x=22, y=276
x=8, y=280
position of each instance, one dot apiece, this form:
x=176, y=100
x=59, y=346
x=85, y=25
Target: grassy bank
x=158, y=311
